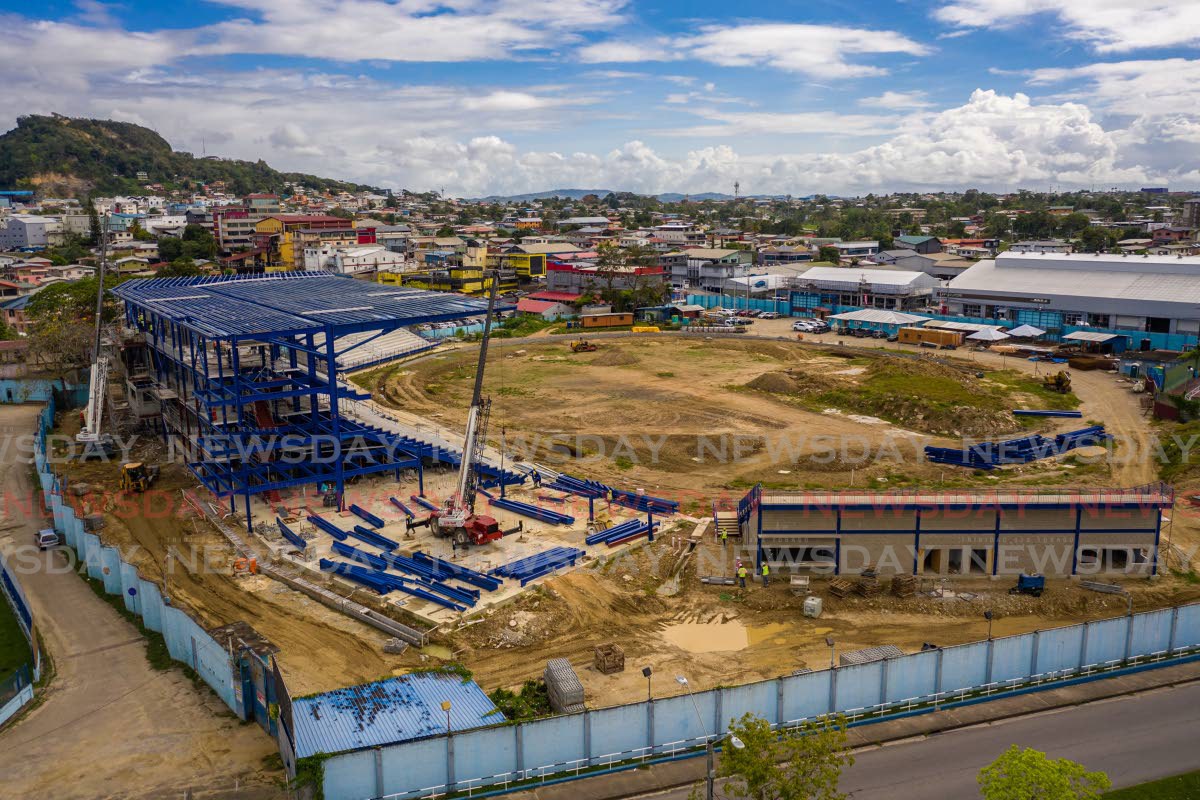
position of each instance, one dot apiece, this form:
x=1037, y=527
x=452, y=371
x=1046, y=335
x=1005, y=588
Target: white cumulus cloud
x=1106, y=25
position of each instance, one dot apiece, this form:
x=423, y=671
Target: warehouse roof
x=1168, y=279
x=245, y=306
x=388, y=711
x=836, y=277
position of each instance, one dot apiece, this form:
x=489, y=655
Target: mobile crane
x=456, y=519
x=96, y=443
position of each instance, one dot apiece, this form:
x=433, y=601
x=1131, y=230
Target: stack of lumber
x=904, y=585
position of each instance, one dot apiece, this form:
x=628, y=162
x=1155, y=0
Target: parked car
x=743, y=321
x=801, y=325
x=47, y=538
x=769, y=315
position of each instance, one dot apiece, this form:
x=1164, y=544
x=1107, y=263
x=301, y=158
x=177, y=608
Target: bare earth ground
x=659, y=386
x=109, y=726
x=721, y=635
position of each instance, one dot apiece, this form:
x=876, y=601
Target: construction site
x=607, y=499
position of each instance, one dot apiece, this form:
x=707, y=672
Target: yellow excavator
x=1059, y=382
x=137, y=477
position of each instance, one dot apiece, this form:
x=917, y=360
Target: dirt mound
x=615, y=358
x=775, y=382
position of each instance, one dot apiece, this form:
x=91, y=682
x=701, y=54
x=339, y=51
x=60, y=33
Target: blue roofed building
x=389, y=712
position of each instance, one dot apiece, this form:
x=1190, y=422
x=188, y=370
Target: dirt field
x=686, y=389
x=695, y=418
x=604, y=415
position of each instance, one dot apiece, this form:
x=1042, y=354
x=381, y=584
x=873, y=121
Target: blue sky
x=483, y=96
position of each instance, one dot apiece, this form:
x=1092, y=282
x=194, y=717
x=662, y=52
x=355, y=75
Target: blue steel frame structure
x=253, y=397
x=834, y=504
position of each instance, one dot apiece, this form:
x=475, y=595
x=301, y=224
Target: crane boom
x=477, y=418
x=98, y=381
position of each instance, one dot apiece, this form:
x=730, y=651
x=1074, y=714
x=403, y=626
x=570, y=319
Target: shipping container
x=940, y=338
x=606, y=320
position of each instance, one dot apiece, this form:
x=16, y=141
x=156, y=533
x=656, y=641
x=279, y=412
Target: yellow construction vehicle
x=137, y=477
x=583, y=346
x=1059, y=382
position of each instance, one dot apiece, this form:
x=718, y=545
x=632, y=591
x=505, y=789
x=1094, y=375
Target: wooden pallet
x=840, y=587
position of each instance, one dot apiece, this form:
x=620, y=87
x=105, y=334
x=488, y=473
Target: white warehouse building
x=1056, y=291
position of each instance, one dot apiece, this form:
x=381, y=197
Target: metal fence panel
x=407, y=768
x=1151, y=632
x=914, y=676
x=759, y=699
x=1105, y=641
x=1187, y=627
x=351, y=776
x=152, y=605
x=110, y=569
x=805, y=696
x=552, y=741
x=491, y=751
x=964, y=666
x=619, y=729
x=859, y=686
x=130, y=588
x=1059, y=649
x=1012, y=657
x=675, y=718
x=91, y=555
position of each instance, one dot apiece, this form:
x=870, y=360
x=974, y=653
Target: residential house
x=711, y=269
x=919, y=244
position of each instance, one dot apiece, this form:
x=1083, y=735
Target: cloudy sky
x=503, y=96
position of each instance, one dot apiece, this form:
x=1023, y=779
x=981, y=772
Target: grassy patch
x=531, y=702
x=1180, y=787
x=1022, y=383
x=623, y=462
x=1181, y=448
x=14, y=649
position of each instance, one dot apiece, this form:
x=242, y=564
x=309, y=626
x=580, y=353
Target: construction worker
x=766, y=574
x=537, y=478
x=741, y=573
x=724, y=538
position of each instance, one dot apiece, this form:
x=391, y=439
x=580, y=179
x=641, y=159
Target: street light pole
x=649, y=694
x=988, y=616
x=709, y=773
x=829, y=641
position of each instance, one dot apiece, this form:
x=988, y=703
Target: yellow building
x=527, y=266
x=276, y=237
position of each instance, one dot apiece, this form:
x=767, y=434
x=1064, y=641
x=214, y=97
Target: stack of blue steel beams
x=535, y=566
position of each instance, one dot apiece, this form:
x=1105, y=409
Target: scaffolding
x=245, y=368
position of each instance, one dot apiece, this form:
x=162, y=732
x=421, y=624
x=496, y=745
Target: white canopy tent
x=879, y=316
x=988, y=335
x=1026, y=332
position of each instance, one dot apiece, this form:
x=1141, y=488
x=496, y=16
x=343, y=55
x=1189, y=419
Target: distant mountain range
x=577, y=194
x=64, y=156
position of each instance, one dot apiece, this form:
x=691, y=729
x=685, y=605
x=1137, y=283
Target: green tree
x=71, y=303
x=1027, y=774
x=180, y=268
x=93, y=223
x=828, y=253
x=1097, y=240
x=802, y=764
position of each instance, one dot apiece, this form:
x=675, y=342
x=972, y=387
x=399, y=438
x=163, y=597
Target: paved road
x=1134, y=739
x=109, y=726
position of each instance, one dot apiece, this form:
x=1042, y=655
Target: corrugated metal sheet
x=389, y=711
x=1089, y=336
x=867, y=655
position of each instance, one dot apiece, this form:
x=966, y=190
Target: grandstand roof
x=295, y=302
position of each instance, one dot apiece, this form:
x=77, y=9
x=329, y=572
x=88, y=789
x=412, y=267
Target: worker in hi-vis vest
x=742, y=576
x=766, y=573
x=724, y=538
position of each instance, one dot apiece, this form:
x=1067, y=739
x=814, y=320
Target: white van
x=47, y=538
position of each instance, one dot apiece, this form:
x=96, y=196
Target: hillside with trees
x=57, y=155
